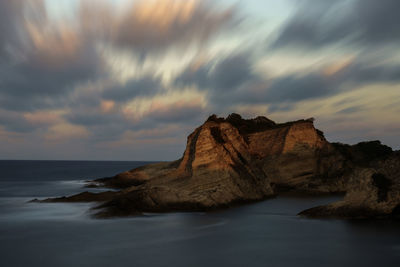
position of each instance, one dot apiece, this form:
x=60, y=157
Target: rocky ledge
x=232, y=161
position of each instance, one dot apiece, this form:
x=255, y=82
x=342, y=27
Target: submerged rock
x=234, y=160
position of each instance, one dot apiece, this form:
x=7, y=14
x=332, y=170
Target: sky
x=130, y=79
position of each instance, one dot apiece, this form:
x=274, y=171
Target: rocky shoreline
x=233, y=161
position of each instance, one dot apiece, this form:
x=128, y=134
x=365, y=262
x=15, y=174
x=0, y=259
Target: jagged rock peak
x=234, y=117
x=215, y=118
x=259, y=123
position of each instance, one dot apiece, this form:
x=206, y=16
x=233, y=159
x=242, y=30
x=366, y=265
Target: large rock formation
x=233, y=160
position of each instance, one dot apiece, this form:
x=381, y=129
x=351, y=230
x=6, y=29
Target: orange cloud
x=163, y=14
x=54, y=43
x=161, y=107
x=157, y=24
x=65, y=131
x=170, y=134
x=42, y=118
x=338, y=66
x=107, y=106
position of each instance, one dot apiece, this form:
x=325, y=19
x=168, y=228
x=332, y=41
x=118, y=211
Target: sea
x=267, y=233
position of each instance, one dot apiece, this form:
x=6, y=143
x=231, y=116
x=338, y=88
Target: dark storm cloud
x=46, y=71
x=111, y=127
x=41, y=66
x=362, y=73
x=227, y=75
x=361, y=22
x=177, y=113
x=232, y=71
x=295, y=88
x=10, y=14
x=298, y=88
x=232, y=81
x=281, y=91
x=93, y=117
x=146, y=86
x=103, y=127
x=378, y=21
x=111, y=124
x=315, y=23
x=15, y=122
x=33, y=84
x=199, y=77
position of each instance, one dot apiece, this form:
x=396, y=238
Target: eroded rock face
x=373, y=192
x=217, y=170
x=233, y=160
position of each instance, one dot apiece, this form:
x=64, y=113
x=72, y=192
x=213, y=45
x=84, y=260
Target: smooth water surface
x=263, y=234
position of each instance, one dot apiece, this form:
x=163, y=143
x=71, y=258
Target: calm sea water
x=262, y=234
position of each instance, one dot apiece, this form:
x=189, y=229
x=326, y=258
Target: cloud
x=10, y=16
x=43, y=84
x=177, y=106
x=145, y=86
x=177, y=112
x=109, y=120
x=232, y=81
x=54, y=59
x=364, y=73
x=57, y=56
x=107, y=106
x=152, y=70
x=316, y=84
x=43, y=118
x=15, y=122
x=101, y=125
x=321, y=23
x=350, y=110
x=296, y=88
x=18, y=122
x=378, y=21
x=153, y=25
x=63, y=132
x=221, y=75
x=93, y=117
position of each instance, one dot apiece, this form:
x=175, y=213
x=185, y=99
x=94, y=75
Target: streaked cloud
x=146, y=86
x=152, y=25
x=116, y=78
x=348, y=22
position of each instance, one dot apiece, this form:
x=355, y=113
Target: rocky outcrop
x=233, y=160
x=373, y=192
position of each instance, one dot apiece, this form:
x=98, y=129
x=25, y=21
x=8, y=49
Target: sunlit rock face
x=232, y=160
x=229, y=161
